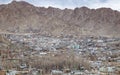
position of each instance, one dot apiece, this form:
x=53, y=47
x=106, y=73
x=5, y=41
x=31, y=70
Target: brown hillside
x=24, y=17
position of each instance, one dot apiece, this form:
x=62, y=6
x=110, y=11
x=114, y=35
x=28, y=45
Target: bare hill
x=22, y=17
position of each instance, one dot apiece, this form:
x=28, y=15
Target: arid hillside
x=22, y=17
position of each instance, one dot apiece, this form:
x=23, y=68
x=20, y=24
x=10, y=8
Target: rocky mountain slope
x=22, y=17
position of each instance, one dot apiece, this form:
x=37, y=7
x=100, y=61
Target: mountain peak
x=22, y=3
x=14, y=1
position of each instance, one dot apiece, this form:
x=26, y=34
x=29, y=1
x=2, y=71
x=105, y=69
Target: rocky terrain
x=22, y=17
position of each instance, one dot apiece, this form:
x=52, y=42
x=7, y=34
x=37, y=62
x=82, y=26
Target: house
x=77, y=72
x=107, y=69
x=56, y=72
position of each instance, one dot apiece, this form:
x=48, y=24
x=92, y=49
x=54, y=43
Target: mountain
x=22, y=17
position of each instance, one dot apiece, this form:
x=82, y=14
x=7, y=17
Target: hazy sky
x=114, y=4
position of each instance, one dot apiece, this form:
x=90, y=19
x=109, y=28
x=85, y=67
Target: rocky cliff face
x=23, y=17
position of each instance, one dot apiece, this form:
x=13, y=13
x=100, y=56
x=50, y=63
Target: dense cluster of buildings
x=102, y=53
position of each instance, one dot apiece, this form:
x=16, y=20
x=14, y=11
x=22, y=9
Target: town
x=34, y=54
